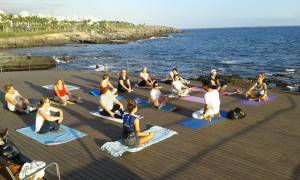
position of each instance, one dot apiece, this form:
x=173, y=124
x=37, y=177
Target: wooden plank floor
x=263, y=145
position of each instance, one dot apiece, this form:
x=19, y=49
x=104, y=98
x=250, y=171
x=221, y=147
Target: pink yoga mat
x=202, y=90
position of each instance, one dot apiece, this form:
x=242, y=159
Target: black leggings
x=168, y=82
x=115, y=107
x=143, y=83
x=49, y=125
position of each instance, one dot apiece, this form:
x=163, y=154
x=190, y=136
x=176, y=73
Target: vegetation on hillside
x=20, y=25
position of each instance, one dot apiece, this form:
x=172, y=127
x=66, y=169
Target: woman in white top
x=107, y=106
x=260, y=90
x=44, y=122
x=16, y=102
x=177, y=85
x=156, y=99
x=144, y=78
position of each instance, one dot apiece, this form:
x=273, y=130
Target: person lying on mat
x=144, y=78
x=176, y=87
x=132, y=136
x=215, y=81
x=44, y=122
x=107, y=107
x=105, y=83
x=212, y=103
x=124, y=83
x=156, y=99
x=260, y=90
x=170, y=77
x=15, y=101
x=60, y=92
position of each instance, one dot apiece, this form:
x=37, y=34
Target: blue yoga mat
x=97, y=93
x=117, y=148
x=163, y=108
x=199, y=123
x=33, y=101
x=52, y=138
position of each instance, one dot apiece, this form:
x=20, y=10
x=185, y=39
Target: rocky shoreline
x=237, y=80
x=119, y=36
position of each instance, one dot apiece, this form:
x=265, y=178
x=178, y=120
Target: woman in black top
x=215, y=82
x=124, y=83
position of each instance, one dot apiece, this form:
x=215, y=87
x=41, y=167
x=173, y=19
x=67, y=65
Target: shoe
x=118, y=112
x=78, y=99
x=31, y=109
x=27, y=111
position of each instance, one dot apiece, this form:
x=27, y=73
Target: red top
x=62, y=92
x=101, y=88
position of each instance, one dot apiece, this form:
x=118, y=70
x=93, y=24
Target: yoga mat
x=96, y=113
x=50, y=87
x=97, y=93
x=187, y=98
x=256, y=103
x=56, y=103
x=199, y=123
x=33, y=101
x=117, y=148
x=52, y=138
x=198, y=89
x=163, y=108
x=202, y=90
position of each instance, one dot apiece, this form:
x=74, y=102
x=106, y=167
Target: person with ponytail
x=132, y=136
x=260, y=90
x=44, y=122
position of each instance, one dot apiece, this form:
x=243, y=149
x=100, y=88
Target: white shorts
x=65, y=98
x=13, y=107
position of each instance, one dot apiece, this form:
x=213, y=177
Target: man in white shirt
x=212, y=103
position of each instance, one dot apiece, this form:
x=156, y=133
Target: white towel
x=117, y=148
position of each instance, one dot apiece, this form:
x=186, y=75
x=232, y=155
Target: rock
x=12, y=62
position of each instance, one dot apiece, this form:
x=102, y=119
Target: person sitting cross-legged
x=107, y=106
x=132, y=136
x=124, y=83
x=156, y=99
x=176, y=87
x=212, y=103
x=259, y=88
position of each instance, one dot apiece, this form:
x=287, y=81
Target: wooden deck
x=263, y=145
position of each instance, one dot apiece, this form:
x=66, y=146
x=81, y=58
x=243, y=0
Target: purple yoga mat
x=202, y=90
x=256, y=103
x=193, y=98
x=189, y=98
x=197, y=89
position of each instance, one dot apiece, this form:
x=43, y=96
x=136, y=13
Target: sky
x=181, y=14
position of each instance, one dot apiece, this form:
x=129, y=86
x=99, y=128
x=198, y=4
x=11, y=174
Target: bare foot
x=251, y=99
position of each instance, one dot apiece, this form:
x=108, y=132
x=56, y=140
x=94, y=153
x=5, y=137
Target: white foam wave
x=160, y=37
x=290, y=70
x=228, y=62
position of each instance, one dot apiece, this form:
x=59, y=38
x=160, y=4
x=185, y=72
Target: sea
x=245, y=51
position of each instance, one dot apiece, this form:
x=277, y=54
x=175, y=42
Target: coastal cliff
x=118, y=36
